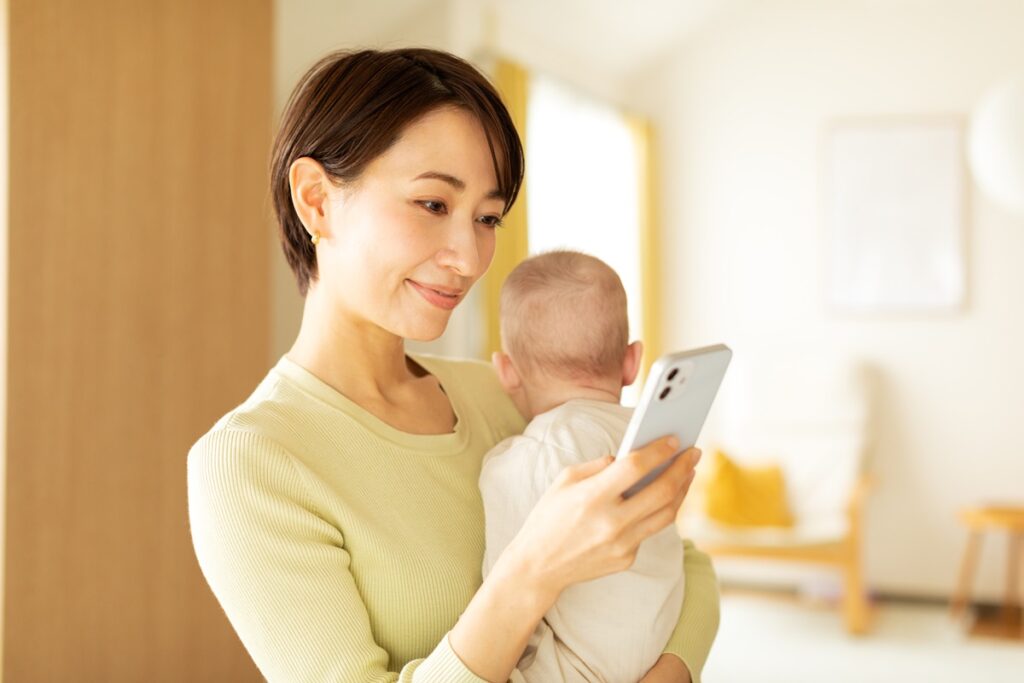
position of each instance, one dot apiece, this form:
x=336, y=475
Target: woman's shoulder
x=469, y=378
x=475, y=382
x=465, y=374
x=256, y=430
x=246, y=461
x=472, y=366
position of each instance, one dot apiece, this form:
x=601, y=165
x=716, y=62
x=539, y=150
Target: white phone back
x=676, y=399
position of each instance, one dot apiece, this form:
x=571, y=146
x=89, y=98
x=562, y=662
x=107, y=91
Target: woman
x=335, y=513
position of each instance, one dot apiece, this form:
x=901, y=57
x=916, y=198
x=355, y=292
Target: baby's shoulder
x=520, y=464
x=587, y=429
x=512, y=449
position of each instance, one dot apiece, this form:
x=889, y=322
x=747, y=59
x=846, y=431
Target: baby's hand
x=668, y=669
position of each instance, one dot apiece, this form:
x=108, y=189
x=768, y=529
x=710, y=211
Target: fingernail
x=673, y=443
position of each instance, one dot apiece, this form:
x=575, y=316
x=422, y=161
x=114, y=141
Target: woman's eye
x=491, y=221
x=433, y=206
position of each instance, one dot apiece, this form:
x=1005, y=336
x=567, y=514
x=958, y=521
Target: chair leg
x=960, y=598
x=855, y=603
x=1020, y=576
x=1013, y=603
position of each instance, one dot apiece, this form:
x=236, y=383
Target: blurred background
x=833, y=188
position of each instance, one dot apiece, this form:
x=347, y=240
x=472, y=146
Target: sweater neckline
x=436, y=443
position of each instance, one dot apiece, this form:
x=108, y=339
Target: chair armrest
x=858, y=494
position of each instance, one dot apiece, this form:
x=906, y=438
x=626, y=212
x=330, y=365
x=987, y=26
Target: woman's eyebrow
x=458, y=184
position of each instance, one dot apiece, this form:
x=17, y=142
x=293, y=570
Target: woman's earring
x=315, y=239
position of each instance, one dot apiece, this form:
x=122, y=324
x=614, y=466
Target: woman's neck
x=356, y=357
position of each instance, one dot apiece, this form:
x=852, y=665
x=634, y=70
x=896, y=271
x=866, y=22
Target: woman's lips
x=447, y=301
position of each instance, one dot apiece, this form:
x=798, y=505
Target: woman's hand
x=582, y=528
x=668, y=669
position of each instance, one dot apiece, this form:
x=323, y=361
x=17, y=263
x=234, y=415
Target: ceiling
x=616, y=36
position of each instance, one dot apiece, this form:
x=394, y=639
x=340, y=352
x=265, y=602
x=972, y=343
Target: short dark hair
x=350, y=107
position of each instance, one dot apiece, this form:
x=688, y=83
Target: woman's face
x=416, y=230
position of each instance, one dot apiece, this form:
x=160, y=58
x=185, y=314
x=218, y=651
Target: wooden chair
x=978, y=520
x=810, y=415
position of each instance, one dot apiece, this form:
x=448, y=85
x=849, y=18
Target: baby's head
x=564, y=332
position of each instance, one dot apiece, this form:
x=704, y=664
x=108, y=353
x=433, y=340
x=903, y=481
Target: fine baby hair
x=563, y=313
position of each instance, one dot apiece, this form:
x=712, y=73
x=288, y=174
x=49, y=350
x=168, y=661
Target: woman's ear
x=507, y=375
x=631, y=363
x=309, y=184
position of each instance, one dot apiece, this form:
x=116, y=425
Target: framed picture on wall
x=894, y=214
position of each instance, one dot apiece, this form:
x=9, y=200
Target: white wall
x=741, y=109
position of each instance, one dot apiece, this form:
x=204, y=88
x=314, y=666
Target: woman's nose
x=462, y=251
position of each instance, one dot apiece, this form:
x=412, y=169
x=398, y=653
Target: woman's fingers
x=627, y=471
x=582, y=528
x=660, y=518
x=670, y=485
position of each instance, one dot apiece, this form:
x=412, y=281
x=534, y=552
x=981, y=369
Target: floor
x=765, y=638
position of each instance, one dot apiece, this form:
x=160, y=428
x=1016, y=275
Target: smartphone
x=676, y=399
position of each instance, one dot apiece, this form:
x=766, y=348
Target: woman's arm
x=690, y=643
x=281, y=571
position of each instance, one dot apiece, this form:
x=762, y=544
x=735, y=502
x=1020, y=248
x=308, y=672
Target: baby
x=566, y=358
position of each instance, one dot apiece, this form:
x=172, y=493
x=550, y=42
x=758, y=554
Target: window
x=584, y=190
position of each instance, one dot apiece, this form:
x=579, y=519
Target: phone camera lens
x=672, y=375
x=664, y=393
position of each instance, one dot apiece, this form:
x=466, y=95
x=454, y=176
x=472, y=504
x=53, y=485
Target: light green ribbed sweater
x=343, y=549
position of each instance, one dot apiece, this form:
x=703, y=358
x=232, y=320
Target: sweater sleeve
x=698, y=620
x=281, y=572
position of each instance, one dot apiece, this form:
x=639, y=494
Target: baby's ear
x=507, y=374
x=631, y=363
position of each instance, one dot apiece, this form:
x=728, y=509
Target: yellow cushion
x=746, y=496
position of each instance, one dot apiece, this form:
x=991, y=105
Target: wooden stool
x=978, y=520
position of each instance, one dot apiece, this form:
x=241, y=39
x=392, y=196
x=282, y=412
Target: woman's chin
x=425, y=331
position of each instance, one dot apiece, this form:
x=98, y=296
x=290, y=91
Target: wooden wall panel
x=138, y=314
